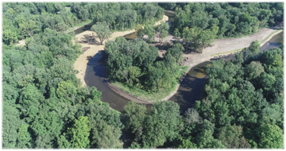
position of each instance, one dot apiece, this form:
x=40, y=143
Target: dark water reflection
x=83, y=28
x=274, y=42
x=191, y=87
x=189, y=91
x=94, y=76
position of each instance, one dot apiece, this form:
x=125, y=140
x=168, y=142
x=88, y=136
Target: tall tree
x=269, y=136
x=102, y=31
x=163, y=29
x=134, y=116
x=79, y=133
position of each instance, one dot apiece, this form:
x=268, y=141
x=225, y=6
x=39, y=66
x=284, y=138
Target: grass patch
x=151, y=96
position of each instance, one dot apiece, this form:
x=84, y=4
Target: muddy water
x=192, y=86
x=274, y=42
x=132, y=35
x=189, y=91
x=94, y=76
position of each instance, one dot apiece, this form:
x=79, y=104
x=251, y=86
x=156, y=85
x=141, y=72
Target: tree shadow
x=89, y=39
x=190, y=90
x=97, y=63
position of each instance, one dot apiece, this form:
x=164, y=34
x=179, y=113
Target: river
x=189, y=91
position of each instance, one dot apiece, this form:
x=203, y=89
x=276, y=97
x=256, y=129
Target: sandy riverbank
x=221, y=46
x=81, y=62
x=218, y=46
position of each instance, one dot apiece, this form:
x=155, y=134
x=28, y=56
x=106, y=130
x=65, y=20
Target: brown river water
x=189, y=91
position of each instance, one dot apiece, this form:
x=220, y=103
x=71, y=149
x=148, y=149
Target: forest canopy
x=44, y=105
x=192, y=20
x=21, y=20
x=138, y=64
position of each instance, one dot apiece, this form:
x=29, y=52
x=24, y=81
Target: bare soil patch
x=21, y=43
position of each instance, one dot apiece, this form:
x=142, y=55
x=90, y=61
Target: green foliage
x=44, y=107
x=24, y=137
x=246, y=94
x=66, y=91
x=26, y=19
x=162, y=125
x=63, y=142
x=105, y=136
x=163, y=29
x=10, y=125
x=134, y=116
x=229, y=19
x=232, y=137
x=254, y=47
x=135, y=62
x=106, y=126
x=270, y=136
x=102, y=31
x=186, y=143
x=253, y=70
x=79, y=133
x=150, y=32
x=44, y=141
x=206, y=140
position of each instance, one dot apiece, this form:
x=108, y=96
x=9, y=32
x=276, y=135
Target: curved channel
x=189, y=91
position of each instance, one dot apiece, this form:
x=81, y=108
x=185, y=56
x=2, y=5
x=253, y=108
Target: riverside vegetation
x=44, y=105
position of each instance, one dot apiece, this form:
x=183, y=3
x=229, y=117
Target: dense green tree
x=163, y=124
x=79, y=133
x=102, y=31
x=176, y=51
x=206, y=140
x=63, y=142
x=186, y=143
x=134, y=62
x=44, y=107
x=269, y=136
x=24, y=139
x=253, y=70
x=254, y=47
x=105, y=136
x=134, y=116
x=163, y=29
x=232, y=137
x=150, y=32
x=11, y=123
x=44, y=141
